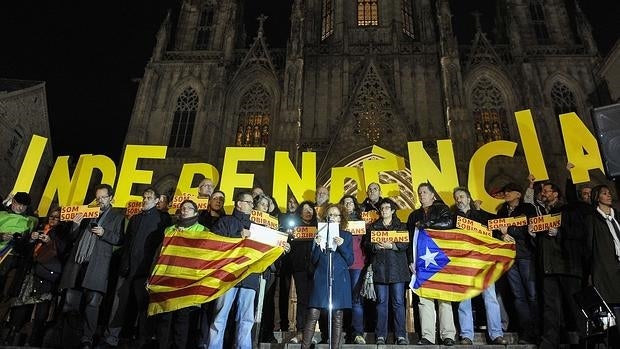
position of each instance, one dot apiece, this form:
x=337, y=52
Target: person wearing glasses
x=242, y=295
x=173, y=327
x=390, y=274
x=342, y=258
x=36, y=280
x=143, y=237
x=205, y=188
x=85, y=273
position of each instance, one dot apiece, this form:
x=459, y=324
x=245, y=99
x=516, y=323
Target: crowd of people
x=82, y=283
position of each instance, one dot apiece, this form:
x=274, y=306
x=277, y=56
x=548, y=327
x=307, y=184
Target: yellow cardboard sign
x=133, y=208
x=507, y=222
x=471, y=225
x=264, y=219
x=545, y=222
x=202, y=203
x=370, y=216
x=356, y=227
x=304, y=233
x=67, y=213
x=389, y=236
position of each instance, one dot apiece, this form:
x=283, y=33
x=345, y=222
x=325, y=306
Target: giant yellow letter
x=338, y=179
x=230, y=178
x=581, y=147
x=373, y=168
x=531, y=147
x=423, y=168
x=285, y=176
x=130, y=175
x=477, y=171
x=30, y=164
x=184, y=185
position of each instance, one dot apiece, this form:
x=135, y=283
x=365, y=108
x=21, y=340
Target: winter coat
x=97, y=270
x=342, y=258
x=389, y=266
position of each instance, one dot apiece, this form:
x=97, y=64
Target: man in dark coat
x=85, y=274
x=559, y=253
x=144, y=234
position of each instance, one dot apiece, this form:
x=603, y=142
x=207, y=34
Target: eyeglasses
x=249, y=202
x=54, y=217
x=101, y=198
x=333, y=215
x=386, y=208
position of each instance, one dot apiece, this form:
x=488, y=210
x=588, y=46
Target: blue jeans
x=522, y=280
x=394, y=294
x=244, y=318
x=491, y=307
x=357, y=310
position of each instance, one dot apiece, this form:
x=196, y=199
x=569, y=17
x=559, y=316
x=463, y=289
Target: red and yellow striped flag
x=195, y=267
x=456, y=264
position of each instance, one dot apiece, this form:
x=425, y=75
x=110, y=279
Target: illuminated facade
x=360, y=72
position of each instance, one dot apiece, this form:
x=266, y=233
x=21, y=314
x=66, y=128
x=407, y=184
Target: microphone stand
x=330, y=286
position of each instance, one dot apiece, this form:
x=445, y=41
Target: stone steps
x=480, y=339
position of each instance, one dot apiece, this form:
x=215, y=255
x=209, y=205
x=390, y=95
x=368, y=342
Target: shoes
x=499, y=341
x=466, y=341
x=269, y=339
x=359, y=340
x=448, y=342
x=424, y=341
x=380, y=341
x=296, y=339
x=402, y=341
x=104, y=345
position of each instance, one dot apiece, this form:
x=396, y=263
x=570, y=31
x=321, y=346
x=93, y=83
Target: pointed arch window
x=407, y=12
x=489, y=111
x=327, y=24
x=367, y=12
x=372, y=109
x=537, y=11
x=205, y=27
x=563, y=99
x=184, y=119
x=253, y=127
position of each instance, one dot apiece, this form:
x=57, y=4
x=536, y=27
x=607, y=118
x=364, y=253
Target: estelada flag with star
x=455, y=264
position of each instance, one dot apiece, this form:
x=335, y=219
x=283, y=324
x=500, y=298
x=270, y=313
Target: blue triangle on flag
x=430, y=258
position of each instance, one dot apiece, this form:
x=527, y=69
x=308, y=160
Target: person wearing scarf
x=173, y=327
x=85, y=273
x=603, y=251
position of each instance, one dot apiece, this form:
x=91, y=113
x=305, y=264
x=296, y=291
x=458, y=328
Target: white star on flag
x=429, y=258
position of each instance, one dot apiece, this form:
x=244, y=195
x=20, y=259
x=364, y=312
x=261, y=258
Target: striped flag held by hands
x=455, y=264
x=195, y=267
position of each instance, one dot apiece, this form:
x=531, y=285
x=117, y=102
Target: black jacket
x=436, y=216
x=389, y=266
x=523, y=241
x=231, y=226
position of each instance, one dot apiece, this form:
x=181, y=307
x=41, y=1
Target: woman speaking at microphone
x=342, y=258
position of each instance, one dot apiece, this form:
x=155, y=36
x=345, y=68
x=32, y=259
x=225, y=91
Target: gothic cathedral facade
x=358, y=73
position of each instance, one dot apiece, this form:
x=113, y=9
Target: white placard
x=334, y=230
x=267, y=235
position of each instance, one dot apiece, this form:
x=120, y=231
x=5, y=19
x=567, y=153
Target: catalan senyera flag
x=456, y=264
x=195, y=267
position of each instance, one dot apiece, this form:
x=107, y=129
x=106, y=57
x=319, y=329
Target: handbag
x=50, y=273
x=368, y=286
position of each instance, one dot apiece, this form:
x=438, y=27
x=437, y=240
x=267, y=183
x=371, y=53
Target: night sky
x=91, y=53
